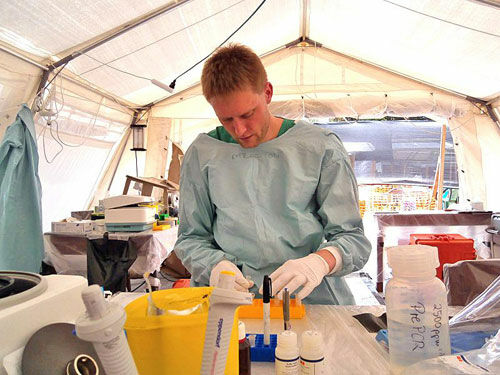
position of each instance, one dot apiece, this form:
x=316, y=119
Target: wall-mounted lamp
x=138, y=137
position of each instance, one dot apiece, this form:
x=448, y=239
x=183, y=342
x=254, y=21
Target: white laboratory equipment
x=103, y=326
x=21, y=315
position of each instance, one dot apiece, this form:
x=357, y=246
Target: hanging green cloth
x=21, y=237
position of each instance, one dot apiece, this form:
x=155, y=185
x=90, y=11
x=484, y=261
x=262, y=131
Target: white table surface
x=349, y=347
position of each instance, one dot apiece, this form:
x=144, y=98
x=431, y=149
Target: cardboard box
x=80, y=227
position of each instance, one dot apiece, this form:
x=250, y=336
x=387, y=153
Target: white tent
x=325, y=58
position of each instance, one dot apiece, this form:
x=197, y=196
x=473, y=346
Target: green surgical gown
x=21, y=237
x=259, y=207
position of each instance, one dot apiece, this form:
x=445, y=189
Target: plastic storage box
x=451, y=247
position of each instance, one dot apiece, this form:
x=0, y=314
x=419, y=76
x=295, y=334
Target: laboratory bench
x=349, y=348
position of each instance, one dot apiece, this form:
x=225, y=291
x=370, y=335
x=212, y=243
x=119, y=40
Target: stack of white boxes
x=76, y=227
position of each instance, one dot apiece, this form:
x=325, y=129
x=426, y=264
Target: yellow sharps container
x=173, y=343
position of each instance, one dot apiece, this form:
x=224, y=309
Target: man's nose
x=240, y=127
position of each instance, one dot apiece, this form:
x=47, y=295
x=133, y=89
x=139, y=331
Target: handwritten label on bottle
x=437, y=314
x=419, y=329
x=417, y=332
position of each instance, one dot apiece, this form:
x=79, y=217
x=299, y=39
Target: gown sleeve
x=196, y=246
x=338, y=208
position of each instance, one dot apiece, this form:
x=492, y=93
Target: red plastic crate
x=451, y=247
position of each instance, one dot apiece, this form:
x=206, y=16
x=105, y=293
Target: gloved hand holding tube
x=241, y=283
x=306, y=272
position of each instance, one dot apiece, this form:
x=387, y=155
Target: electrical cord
x=172, y=84
x=53, y=120
x=136, y=165
x=166, y=277
x=44, y=148
x=38, y=95
x=142, y=284
x=162, y=38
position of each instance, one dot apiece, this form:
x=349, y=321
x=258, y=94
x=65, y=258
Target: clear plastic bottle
x=287, y=354
x=417, y=310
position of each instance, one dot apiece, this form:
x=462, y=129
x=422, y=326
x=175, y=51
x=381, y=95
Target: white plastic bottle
x=287, y=354
x=312, y=358
x=102, y=325
x=417, y=310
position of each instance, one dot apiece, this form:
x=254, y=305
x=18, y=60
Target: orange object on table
x=452, y=248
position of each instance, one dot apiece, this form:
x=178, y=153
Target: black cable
x=53, y=78
x=136, y=167
x=144, y=113
x=138, y=287
x=159, y=40
x=172, y=84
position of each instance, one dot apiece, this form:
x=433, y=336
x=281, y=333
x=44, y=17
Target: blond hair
x=231, y=68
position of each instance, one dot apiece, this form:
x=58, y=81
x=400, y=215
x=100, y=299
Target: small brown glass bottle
x=244, y=354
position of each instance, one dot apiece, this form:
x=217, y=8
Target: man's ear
x=268, y=92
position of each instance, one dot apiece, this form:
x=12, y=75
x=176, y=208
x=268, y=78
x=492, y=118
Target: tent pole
x=441, y=168
x=134, y=120
x=305, y=20
x=24, y=58
x=488, y=107
x=117, y=31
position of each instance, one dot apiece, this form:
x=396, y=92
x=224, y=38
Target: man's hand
x=240, y=283
x=306, y=272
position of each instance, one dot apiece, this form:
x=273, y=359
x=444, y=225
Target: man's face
x=245, y=116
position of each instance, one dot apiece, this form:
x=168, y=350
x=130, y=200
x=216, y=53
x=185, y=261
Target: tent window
x=400, y=155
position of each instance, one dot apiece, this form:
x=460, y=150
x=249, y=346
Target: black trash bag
x=108, y=262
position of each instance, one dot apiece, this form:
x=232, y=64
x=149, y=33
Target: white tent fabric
x=76, y=147
x=452, y=44
x=18, y=81
x=365, y=59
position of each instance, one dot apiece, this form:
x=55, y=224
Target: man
x=260, y=194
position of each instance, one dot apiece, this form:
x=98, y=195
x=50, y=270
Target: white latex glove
x=240, y=283
x=306, y=272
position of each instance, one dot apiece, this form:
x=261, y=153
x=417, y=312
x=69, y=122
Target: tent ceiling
x=446, y=55
x=56, y=25
x=454, y=44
